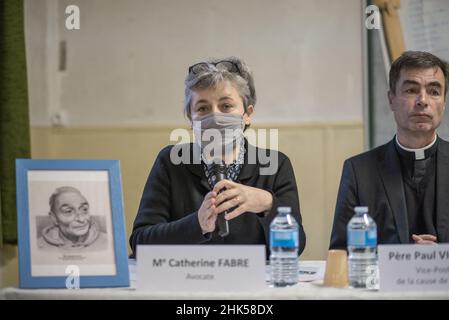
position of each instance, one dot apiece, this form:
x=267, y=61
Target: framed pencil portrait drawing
x=71, y=231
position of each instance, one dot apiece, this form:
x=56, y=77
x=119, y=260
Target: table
x=313, y=290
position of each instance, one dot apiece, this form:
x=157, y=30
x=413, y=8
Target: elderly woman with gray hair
x=183, y=202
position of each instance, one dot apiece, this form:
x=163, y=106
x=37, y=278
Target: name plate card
x=413, y=267
x=200, y=267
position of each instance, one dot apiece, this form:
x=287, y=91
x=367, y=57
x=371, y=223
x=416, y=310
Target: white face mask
x=218, y=134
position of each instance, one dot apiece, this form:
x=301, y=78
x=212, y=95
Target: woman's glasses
x=221, y=65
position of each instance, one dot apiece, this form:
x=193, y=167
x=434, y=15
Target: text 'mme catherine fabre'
x=202, y=263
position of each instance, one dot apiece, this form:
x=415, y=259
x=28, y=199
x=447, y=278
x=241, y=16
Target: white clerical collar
x=419, y=153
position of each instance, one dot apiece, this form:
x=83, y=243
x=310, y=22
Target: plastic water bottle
x=362, y=250
x=284, y=248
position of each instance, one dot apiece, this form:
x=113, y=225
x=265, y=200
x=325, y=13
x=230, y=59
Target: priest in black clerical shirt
x=418, y=175
x=404, y=183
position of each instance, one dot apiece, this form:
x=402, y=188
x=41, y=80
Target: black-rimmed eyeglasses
x=223, y=65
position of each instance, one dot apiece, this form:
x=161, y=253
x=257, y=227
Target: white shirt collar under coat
x=419, y=153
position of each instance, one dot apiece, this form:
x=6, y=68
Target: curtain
x=14, y=118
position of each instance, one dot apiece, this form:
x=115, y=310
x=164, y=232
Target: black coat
x=173, y=194
x=374, y=179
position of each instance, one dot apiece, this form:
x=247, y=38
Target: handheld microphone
x=218, y=170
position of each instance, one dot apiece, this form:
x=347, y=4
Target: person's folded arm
x=347, y=199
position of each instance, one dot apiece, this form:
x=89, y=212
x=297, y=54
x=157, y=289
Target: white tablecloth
x=313, y=290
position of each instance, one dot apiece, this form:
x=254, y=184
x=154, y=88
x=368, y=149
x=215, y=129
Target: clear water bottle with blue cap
x=284, y=239
x=362, y=250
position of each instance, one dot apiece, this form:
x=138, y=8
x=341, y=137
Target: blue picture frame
x=117, y=255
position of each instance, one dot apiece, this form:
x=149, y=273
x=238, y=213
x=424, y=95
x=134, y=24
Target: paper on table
x=308, y=271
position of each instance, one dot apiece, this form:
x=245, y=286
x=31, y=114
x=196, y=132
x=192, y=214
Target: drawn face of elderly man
x=69, y=210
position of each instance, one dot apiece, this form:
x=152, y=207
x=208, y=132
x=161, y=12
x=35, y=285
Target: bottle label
x=362, y=238
x=287, y=239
